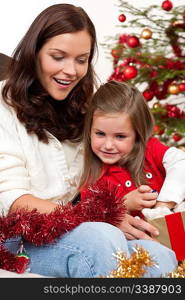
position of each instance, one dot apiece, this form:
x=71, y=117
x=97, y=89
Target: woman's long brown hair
x=25, y=94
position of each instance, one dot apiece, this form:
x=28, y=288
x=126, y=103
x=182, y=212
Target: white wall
x=17, y=15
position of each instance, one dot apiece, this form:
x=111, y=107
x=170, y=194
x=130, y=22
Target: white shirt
x=173, y=188
x=29, y=166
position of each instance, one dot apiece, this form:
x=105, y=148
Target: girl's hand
x=140, y=198
x=135, y=228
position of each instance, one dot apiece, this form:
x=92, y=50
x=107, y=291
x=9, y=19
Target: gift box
x=172, y=232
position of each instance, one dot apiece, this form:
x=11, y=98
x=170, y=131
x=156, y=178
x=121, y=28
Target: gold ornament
x=156, y=105
x=173, y=89
x=146, y=34
x=176, y=23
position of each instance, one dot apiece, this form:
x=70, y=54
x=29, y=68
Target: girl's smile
x=112, y=136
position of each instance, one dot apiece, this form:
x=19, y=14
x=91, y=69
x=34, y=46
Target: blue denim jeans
x=87, y=252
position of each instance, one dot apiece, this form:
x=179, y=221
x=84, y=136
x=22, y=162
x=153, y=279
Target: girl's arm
x=172, y=192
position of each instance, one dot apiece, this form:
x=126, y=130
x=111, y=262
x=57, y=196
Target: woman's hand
x=135, y=228
x=140, y=198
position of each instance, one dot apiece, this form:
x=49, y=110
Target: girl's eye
x=120, y=136
x=100, y=133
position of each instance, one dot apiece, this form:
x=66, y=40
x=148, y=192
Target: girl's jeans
x=88, y=251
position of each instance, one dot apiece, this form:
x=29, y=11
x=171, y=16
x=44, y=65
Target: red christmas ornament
x=167, y=5
x=153, y=73
x=22, y=264
x=177, y=137
x=116, y=52
x=148, y=95
x=122, y=18
x=133, y=41
x=123, y=38
x=125, y=62
x=173, y=111
x=130, y=72
x=159, y=130
x=182, y=87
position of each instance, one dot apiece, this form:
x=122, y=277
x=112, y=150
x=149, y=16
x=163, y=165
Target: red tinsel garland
x=100, y=205
x=173, y=37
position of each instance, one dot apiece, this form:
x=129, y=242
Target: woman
x=44, y=101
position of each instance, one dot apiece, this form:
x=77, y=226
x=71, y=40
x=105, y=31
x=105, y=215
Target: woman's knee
x=99, y=237
x=86, y=251
x=164, y=259
x=101, y=230
x=156, y=249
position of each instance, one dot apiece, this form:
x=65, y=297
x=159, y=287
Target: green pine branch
x=153, y=54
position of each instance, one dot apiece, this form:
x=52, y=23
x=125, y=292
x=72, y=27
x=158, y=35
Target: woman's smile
x=63, y=62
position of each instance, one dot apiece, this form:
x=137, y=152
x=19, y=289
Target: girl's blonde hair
x=113, y=97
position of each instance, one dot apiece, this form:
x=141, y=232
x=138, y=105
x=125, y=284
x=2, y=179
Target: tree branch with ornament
x=149, y=52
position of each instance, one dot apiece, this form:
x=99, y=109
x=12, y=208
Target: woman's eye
x=57, y=57
x=82, y=61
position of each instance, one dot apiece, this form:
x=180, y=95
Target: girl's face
x=112, y=136
x=62, y=62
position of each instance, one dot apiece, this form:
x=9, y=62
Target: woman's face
x=63, y=62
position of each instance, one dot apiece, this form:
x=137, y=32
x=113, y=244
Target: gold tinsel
x=133, y=267
x=179, y=272
x=136, y=265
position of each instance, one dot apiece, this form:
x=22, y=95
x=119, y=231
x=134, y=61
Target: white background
x=17, y=15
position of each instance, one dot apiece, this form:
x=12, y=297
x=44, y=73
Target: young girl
x=119, y=148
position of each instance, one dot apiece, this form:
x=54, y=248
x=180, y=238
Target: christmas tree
x=150, y=53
